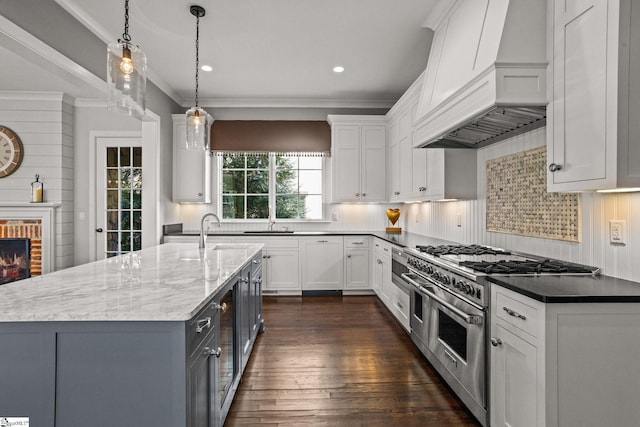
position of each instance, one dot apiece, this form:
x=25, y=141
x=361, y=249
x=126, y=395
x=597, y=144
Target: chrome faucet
x=203, y=233
x=271, y=220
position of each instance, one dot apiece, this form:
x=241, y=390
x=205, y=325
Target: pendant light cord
x=197, y=55
x=125, y=36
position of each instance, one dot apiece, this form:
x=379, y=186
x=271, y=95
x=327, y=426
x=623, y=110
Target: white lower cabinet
x=563, y=364
x=517, y=359
x=356, y=263
x=322, y=263
x=280, y=263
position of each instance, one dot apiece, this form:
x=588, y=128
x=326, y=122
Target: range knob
x=468, y=289
x=445, y=279
x=428, y=269
x=436, y=275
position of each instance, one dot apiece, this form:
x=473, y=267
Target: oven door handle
x=471, y=319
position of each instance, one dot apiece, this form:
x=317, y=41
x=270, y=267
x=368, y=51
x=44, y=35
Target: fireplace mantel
x=46, y=213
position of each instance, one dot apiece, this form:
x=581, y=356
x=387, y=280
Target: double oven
x=448, y=325
x=450, y=307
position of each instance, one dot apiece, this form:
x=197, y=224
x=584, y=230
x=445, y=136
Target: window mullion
x=272, y=182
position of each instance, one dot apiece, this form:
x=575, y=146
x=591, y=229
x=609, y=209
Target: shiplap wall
x=44, y=123
x=441, y=220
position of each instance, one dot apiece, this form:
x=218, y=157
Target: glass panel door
x=119, y=198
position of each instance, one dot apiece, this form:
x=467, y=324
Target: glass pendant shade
x=197, y=129
x=126, y=78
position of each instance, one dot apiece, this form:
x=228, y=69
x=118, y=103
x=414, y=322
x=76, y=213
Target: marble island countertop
x=169, y=282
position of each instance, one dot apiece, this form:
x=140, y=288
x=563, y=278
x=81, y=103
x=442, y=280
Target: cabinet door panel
x=357, y=269
x=281, y=270
x=346, y=163
x=581, y=103
x=514, y=380
x=323, y=264
x=373, y=177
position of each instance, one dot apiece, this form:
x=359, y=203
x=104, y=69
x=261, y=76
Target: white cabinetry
x=517, y=360
x=419, y=174
x=358, y=154
x=281, y=265
x=592, y=128
x=561, y=364
x=191, y=168
x=322, y=263
x=356, y=263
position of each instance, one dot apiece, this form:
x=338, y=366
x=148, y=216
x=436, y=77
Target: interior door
x=118, y=196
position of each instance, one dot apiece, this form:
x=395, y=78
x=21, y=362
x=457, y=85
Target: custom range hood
x=486, y=76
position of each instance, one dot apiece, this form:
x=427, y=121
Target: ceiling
x=274, y=52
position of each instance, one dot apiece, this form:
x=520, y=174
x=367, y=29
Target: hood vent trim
x=497, y=124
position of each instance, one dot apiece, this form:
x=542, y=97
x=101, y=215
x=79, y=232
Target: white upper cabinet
x=358, y=154
x=191, y=168
x=593, y=125
x=419, y=174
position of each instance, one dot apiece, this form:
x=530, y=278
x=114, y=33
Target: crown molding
x=37, y=96
x=291, y=103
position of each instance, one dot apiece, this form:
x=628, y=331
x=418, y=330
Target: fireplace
x=15, y=257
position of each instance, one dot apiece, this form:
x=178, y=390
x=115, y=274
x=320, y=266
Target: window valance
x=312, y=137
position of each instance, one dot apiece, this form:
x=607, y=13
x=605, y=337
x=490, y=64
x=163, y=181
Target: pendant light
x=197, y=118
x=126, y=74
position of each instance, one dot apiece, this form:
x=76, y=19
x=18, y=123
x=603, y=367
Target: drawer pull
x=323, y=241
x=358, y=243
x=514, y=313
x=203, y=324
x=256, y=261
x=400, y=306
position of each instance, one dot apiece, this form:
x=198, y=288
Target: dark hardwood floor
x=340, y=361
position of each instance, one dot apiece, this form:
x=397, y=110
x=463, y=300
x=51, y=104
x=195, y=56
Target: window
x=252, y=183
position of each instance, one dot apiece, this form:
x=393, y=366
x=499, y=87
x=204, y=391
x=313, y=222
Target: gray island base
x=159, y=337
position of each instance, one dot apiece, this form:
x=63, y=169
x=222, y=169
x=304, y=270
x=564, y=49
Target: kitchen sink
x=269, y=232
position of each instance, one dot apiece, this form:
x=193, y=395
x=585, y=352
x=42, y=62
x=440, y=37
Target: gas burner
x=461, y=250
x=526, y=267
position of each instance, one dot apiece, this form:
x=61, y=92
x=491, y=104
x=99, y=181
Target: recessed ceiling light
x=338, y=69
x=206, y=68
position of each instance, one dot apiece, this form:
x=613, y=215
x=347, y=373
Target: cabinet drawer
x=382, y=246
x=356, y=242
x=200, y=326
x=271, y=242
x=517, y=312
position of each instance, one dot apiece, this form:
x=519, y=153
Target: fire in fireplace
x=14, y=259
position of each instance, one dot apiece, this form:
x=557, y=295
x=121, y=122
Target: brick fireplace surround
x=35, y=221
x=30, y=229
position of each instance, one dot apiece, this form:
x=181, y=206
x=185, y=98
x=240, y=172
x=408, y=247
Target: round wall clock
x=11, y=152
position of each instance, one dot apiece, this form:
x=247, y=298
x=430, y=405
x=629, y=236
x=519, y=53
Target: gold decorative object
x=393, y=215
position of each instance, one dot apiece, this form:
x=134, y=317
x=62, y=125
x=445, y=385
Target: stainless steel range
x=450, y=307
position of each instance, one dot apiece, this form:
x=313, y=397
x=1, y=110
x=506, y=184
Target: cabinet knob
x=221, y=307
x=364, y=194
x=357, y=194
x=199, y=194
x=348, y=256
x=496, y=342
x=212, y=352
x=422, y=188
x=98, y=230
x=379, y=261
x=554, y=167
x=397, y=193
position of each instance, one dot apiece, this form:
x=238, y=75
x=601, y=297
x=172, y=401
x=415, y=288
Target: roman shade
x=261, y=136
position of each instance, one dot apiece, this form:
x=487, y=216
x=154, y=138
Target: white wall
x=45, y=124
x=441, y=219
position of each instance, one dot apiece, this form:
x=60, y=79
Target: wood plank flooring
x=339, y=361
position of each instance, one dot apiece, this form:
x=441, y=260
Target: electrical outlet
x=617, y=232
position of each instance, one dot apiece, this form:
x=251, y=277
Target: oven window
x=417, y=305
x=453, y=334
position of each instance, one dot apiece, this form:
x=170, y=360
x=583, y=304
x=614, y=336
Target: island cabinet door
x=203, y=406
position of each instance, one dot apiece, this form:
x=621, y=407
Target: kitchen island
x=157, y=337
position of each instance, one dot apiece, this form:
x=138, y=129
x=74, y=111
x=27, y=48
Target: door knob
x=554, y=167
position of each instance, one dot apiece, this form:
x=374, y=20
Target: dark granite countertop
x=547, y=288
x=571, y=289
x=403, y=239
